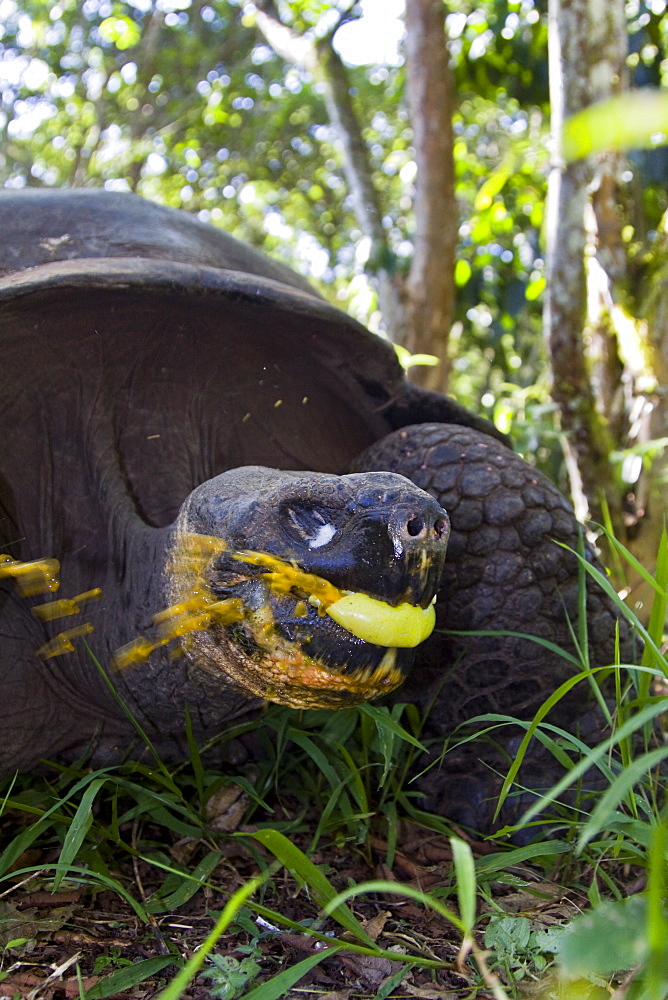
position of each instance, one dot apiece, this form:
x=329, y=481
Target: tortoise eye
x=313, y=526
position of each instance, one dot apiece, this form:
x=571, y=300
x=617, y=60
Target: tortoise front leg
x=504, y=571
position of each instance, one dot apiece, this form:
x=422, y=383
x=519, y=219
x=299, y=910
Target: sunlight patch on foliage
x=634, y=120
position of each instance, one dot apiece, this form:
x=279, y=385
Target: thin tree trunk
x=431, y=279
x=324, y=63
x=649, y=499
x=586, y=64
x=418, y=310
x=366, y=199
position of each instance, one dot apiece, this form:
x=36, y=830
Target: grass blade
x=657, y=924
x=613, y=795
x=384, y=720
x=195, y=760
x=657, y=618
x=658, y=585
x=507, y=859
x=182, y=979
x=130, y=976
x=24, y=840
x=190, y=883
x=303, y=869
x=397, y=889
x=5, y=799
x=353, y=819
x=595, y=755
x=78, y=829
x=134, y=722
x=278, y=919
x=90, y=878
x=285, y=980
x=544, y=709
x=466, y=882
x=496, y=633
x=652, y=649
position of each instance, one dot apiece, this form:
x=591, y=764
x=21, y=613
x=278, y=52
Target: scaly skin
x=504, y=571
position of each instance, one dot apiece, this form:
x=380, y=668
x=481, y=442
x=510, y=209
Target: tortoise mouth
x=279, y=632
x=314, y=645
x=296, y=657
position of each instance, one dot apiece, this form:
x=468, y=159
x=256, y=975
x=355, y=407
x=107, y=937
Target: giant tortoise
x=248, y=502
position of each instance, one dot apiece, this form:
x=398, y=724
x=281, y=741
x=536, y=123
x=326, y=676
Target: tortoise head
x=312, y=590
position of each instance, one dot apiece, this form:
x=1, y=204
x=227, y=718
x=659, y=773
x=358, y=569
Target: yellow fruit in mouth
x=366, y=617
x=379, y=623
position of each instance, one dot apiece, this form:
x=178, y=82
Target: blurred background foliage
x=184, y=102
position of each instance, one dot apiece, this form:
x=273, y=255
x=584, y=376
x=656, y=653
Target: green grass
x=334, y=785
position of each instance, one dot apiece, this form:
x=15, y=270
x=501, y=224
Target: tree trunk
x=607, y=384
x=648, y=504
x=586, y=56
x=430, y=282
x=418, y=310
x=381, y=266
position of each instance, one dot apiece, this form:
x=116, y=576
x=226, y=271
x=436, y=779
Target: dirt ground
x=70, y=940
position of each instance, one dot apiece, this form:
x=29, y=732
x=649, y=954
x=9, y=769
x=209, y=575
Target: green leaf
x=19, y=926
x=609, y=938
x=121, y=31
x=534, y=289
x=462, y=272
x=635, y=120
x=229, y=976
x=407, y=360
x=130, y=976
x=507, y=935
x=490, y=188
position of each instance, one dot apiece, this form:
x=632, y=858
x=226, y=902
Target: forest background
x=490, y=191
x=412, y=188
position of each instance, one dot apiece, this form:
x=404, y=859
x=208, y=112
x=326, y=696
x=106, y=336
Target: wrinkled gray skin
x=144, y=354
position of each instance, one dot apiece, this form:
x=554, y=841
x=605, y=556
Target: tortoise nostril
x=440, y=527
x=415, y=526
